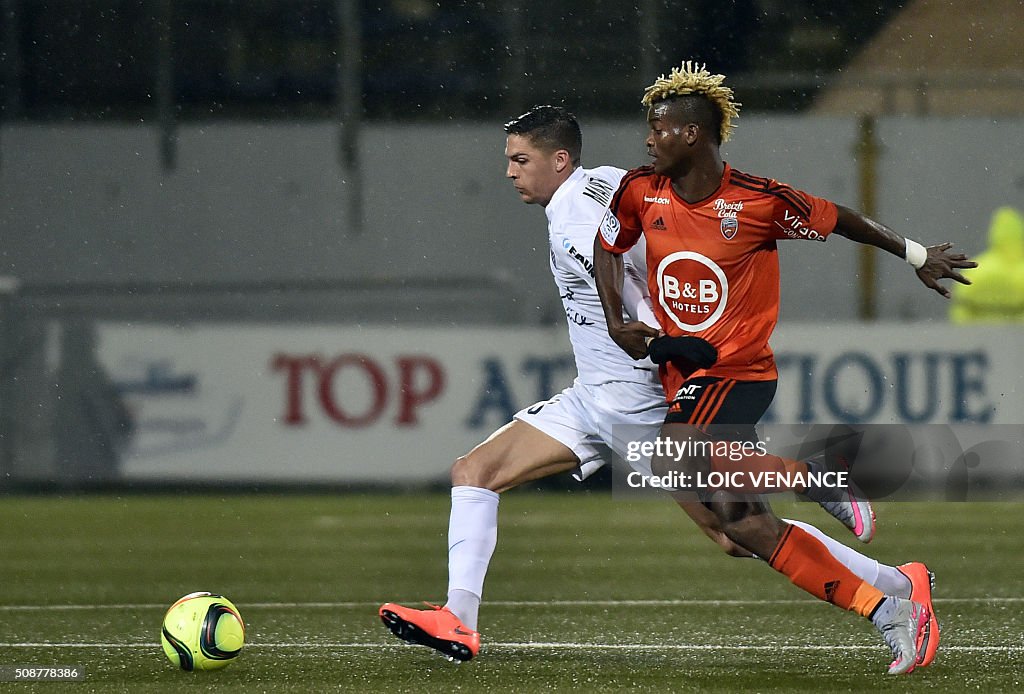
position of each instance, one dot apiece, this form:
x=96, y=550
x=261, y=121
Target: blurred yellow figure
x=997, y=290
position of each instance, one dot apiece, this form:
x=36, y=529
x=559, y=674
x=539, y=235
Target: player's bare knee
x=729, y=508
x=471, y=471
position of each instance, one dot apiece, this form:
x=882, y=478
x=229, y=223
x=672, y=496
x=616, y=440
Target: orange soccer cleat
x=921, y=582
x=437, y=628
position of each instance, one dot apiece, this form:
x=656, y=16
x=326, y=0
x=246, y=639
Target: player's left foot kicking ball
x=437, y=628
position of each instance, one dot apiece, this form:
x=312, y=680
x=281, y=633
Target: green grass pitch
x=585, y=592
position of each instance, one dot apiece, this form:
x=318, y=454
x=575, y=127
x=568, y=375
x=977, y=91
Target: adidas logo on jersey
x=658, y=223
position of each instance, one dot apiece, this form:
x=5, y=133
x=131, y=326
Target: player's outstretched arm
x=609, y=273
x=932, y=263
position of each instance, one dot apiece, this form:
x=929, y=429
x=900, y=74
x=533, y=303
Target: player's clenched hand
x=632, y=338
x=941, y=264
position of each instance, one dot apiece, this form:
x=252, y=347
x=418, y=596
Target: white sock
x=464, y=605
x=472, y=537
x=887, y=579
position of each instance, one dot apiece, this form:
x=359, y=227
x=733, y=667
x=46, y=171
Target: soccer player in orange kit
x=713, y=274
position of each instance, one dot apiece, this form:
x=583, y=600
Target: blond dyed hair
x=690, y=78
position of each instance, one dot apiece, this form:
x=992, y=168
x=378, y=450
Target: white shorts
x=598, y=423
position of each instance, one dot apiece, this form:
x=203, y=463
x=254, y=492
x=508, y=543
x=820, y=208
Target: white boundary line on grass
x=542, y=645
x=493, y=603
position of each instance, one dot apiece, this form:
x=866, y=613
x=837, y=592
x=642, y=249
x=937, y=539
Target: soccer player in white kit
x=613, y=400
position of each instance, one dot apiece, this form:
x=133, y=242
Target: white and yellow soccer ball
x=202, y=631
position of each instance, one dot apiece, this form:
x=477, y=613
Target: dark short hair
x=551, y=128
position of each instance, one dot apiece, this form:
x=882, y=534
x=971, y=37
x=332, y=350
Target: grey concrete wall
x=252, y=202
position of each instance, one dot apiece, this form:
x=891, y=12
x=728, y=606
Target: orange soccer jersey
x=712, y=265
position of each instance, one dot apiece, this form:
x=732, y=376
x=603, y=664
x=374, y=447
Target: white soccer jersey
x=574, y=214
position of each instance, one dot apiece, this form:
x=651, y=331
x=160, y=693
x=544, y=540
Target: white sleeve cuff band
x=916, y=254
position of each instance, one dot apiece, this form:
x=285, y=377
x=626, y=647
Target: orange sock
x=809, y=565
x=750, y=464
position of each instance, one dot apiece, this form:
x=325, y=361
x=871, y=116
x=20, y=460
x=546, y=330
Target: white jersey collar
x=563, y=190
